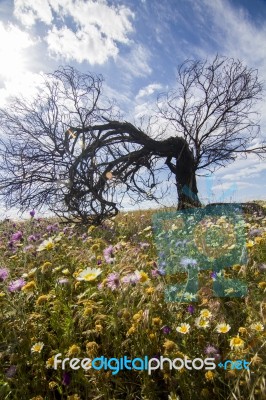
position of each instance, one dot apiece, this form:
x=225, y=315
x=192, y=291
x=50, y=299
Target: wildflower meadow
x=127, y=288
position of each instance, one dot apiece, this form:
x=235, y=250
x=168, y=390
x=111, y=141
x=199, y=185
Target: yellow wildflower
x=257, y=326
x=66, y=271
x=138, y=316
x=37, y=398
x=42, y=299
x=87, y=311
x=52, y=385
x=131, y=330
x=169, y=346
x=150, y=290
x=77, y=284
x=202, y=322
x=205, y=313
x=262, y=285
x=46, y=266
x=143, y=276
x=236, y=267
x=73, y=397
x=73, y=350
x=250, y=244
x=37, y=347
x=223, y=328
x=236, y=343
x=50, y=362
x=209, y=375
x=183, y=328
x=99, y=328
x=95, y=247
x=157, y=321
x=47, y=245
x=92, y=349
x=256, y=360
x=29, y=287
x=89, y=274
x=91, y=228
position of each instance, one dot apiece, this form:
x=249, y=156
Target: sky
x=137, y=46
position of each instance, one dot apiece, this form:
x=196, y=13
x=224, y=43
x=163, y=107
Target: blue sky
x=137, y=45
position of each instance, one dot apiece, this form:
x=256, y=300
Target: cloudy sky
x=137, y=45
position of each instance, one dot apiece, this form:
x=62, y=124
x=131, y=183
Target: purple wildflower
x=188, y=262
x=32, y=238
x=108, y=254
x=11, y=371
x=66, y=379
x=209, y=349
x=131, y=278
x=144, y=245
x=190, y=309
x=52, y=228
x=112, y=280
x=213, y=351
x=84, y=237
x=262, y=267
x=166, y=330
x=11, y=245
x=16, y=236
x=3, y=274
x=32, y=213
x=255, y=232
x=28, y=248
x=214, y=275
x=63, y=281
x=158, y=272
x=16, y=285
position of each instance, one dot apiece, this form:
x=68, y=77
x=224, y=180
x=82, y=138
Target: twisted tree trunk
x=186, y=182
x=185, y=174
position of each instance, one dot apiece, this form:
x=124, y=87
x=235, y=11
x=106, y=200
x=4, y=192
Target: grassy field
x=100, y=291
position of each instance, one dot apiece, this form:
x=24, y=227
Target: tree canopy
x=69, y=150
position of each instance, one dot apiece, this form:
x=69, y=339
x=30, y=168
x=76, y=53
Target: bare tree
x=39, y=152
x=68, y=150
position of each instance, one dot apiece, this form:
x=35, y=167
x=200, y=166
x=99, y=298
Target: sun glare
x=13, y=51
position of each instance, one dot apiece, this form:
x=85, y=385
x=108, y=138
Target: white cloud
x=90, y=31
x=251, y=170
x=28, y=11
x=26, y=84
x=136, y=63
x=148, y=90
x=238, y=34
x=16, y=57
x=81, y=46
x=234, y=32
